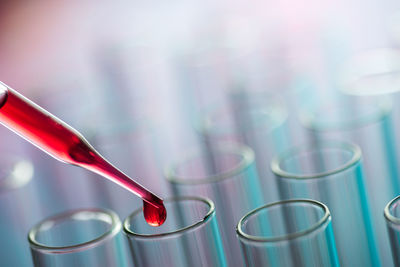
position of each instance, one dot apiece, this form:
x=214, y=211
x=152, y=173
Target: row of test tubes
x=246, y=196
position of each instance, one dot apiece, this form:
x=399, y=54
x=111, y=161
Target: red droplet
x=155, y=216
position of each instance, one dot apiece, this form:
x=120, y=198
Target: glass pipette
x=66, y=144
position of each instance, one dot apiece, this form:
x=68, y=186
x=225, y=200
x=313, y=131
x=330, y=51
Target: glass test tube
x=367, y=122
x=392, y=216
x=254, y=119
x=202, y=72
x=19, y=207
x=288, y=233
x=229, y=179
x=332, y=173
x=189, y=236
x=84, y=237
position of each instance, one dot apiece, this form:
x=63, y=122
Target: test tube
x=83, y=237
x=229, y=179
x=19, y=208
x=332, y=173
x=257, y=120
x=392, y=216
x=288, y=233
x=367, y=122
x=189, y=237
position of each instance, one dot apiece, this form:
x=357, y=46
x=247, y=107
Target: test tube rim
x=204, y=129
x=355, y=159
x=383, y=108
x=388, y=215
x=115, y=227
x=325, y=218
x=355, y=70
x=193, y=226
x=245, y=152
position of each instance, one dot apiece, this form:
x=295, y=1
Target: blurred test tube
x=229, y=179
x=255, y=119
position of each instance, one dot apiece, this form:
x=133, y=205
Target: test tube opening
x=197, y=211
x=314, y=162
x=314, y=214
x=199, y=169
x=74, y=231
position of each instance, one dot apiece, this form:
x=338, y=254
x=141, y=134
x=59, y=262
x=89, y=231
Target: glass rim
x=326, y=217
x=351, y=147
x=246, y=158
x=388, y=215
x=202, y=127
x=382, y=108
x=114, y=228
x=192, y=226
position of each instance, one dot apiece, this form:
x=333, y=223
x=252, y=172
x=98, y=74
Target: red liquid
x=66, y=144
x=154, y=216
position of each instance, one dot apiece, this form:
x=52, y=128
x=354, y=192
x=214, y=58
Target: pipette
x=66, y=144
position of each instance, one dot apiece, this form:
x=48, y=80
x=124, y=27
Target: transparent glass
x=332, y=173
x=229, y=179
x=367, y=122
x=84, y=237
x=392, y=216
x=189, y=236
x=19, y=208
x=288, y=233
x=257, y=120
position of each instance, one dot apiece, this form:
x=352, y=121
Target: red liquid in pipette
x=64, y=143
x=152, y=215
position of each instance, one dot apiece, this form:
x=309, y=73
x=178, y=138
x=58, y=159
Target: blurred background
x=141, y=80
